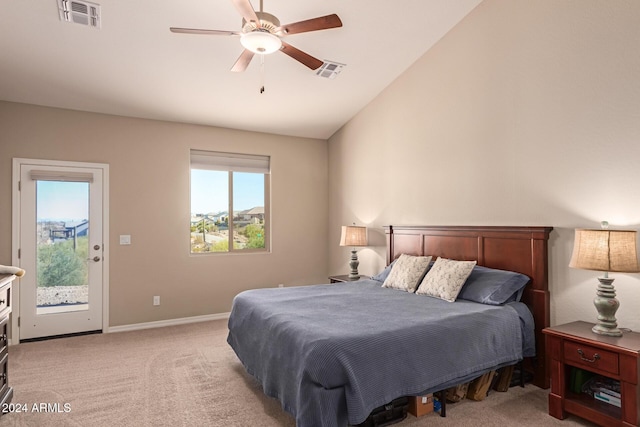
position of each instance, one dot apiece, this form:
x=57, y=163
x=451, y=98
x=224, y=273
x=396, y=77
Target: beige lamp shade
x=605, y=250
x=353, y=235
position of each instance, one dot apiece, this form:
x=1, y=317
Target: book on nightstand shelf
x=578, y=378
x=610, y=392
x=607, y=398
x=603, y=389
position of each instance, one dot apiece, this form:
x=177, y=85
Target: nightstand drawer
x=591, y=357
x=5, y=299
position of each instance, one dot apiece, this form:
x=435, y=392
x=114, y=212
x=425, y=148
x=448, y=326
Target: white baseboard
x=170, y=322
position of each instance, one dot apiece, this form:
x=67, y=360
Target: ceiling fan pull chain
x=261, y=73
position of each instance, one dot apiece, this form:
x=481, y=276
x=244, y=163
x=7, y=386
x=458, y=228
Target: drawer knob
x=596, y=356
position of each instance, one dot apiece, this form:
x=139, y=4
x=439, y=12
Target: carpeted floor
x=188, y=376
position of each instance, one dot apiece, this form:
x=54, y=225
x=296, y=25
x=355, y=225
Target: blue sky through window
x=210, y=191
x=62, y=201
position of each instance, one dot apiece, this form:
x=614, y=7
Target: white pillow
x=445, y=279
x=407, y=272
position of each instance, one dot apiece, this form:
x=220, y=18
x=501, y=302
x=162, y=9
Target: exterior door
x=61, y=247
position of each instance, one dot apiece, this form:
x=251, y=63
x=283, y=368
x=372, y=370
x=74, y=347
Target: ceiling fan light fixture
x=261, y=42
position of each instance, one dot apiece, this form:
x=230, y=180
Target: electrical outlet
x=281, y=285
x=156, y=300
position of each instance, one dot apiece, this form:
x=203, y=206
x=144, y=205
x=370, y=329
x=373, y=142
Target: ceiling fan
x=262, y=33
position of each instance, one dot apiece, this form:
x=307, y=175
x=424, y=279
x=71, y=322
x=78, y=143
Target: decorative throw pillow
x=407, y=272
x=445, y=279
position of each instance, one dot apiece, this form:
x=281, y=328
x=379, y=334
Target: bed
x=331, y=353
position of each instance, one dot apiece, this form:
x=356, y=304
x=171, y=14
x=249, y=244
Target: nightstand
x=345, y=278
x=574, y=345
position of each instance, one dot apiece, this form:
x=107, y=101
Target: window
x=229, y=202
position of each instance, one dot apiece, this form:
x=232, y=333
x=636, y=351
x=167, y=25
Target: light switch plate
x=125, y=239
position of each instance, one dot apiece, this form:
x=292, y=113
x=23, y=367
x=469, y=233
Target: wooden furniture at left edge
x=520, y=249
x=6, y=392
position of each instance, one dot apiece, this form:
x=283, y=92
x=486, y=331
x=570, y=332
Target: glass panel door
x=62, y=223
x=61, y=246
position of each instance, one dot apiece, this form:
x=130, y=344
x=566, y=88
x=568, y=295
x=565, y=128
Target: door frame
x=15, y=235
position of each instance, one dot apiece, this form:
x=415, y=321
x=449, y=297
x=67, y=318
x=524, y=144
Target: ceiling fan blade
x=205, y=32
x=321, y=23
x=246, y=11
x=300, y=56
x=243, y=61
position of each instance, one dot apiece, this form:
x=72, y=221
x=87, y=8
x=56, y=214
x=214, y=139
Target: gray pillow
x=382, y=276
x=492, y=286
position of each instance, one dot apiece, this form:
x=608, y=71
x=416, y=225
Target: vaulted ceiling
x=134, y=66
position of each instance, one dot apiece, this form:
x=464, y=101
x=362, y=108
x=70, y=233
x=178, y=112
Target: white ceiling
x=134, y=66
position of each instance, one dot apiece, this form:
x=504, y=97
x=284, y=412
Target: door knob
x=95, y=258
x=96, y=247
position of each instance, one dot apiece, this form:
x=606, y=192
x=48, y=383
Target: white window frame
x=236, y=162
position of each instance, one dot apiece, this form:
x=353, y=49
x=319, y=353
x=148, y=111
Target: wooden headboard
x=520, y=249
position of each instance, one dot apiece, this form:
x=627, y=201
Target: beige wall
x=149, y=199
x=526, y=113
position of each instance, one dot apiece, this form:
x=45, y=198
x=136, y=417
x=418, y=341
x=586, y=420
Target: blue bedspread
x=333, y=353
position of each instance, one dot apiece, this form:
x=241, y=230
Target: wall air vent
x=79, y=12
x=329, y=70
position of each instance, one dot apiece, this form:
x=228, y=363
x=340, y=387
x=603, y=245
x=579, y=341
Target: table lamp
x=353, y=236
x=608, y=251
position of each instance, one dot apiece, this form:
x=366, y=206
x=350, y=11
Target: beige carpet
x=188, y=376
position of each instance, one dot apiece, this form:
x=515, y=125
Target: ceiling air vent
x=329, y=70
x=79, y=12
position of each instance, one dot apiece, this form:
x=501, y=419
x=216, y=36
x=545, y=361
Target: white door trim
x=15, y=235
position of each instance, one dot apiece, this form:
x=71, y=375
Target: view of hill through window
x=222, y=201
x=62, y=215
